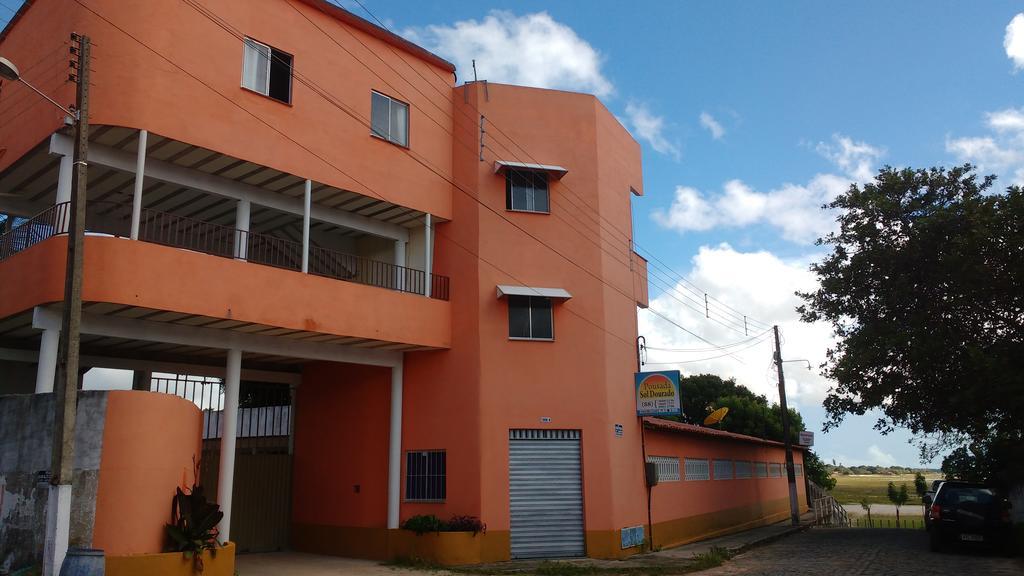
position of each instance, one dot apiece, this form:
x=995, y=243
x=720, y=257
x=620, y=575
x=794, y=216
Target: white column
x=307, y=199
x=400, y=261
x=428, y=252
x=395, y=447
x=242, y=227
x=140, y=174
x=47, y=366
x=58, y=527
x=229, y=430
x=64, y=179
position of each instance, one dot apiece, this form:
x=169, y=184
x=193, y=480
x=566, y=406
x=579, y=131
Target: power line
x=745, y=319
x=229, y=100
x=715, y=349
x=329, y=99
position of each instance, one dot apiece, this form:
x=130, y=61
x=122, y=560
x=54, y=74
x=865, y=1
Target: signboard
x=807, y=438
x=657, y=393
x=618, y=430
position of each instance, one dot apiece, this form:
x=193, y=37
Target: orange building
x=439, y=276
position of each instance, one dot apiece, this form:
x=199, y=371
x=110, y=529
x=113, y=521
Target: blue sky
x=751, y=115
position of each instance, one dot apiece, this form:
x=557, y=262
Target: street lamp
x=8, y=71
x=66, y=382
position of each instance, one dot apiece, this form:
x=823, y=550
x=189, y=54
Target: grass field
x=851, y=489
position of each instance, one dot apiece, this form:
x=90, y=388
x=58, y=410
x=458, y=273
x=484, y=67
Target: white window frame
x=744, y=470
x=530, y=308
x=761, y=469
x=265, y=90
x=391, y=131
x=696, y=469
x=723, y=469
x=510, y=204
x=798, y=469
x=668, y=468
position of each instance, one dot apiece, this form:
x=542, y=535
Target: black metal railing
x=225, y=241
x=50, y=222
x=264, y=410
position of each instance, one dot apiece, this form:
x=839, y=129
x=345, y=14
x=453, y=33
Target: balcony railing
x=191, y=234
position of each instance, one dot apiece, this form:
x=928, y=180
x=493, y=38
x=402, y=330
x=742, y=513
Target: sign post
x=806, y=438
x=657, y=394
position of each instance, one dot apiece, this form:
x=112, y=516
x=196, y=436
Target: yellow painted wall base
x=607, y=544
x=692, y=528
x=172, y=564
x=444, y=548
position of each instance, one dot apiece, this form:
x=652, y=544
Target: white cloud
x=530, y=50
x=855, y=159
x=711, y=125
x=1009, y=120
x=758, y=283
x=794, y=209
x=1013, y=42
x=880, y=457
x=1001, y=151
x=650, y=128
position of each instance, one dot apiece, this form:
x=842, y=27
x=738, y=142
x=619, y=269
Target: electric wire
x=678, y=277
x=329, y=99
x=454, y=242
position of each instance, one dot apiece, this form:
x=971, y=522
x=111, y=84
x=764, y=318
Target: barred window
x=723, y=469
x=697, y=469
x=668, y=467
x=743, y=470
x=762, y=469
x=775, y=470
x=425, y=475
x=798, y=469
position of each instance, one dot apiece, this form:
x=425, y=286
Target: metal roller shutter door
x=546, y=494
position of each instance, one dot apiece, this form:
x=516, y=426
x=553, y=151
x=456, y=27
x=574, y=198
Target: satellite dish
x=716, y=416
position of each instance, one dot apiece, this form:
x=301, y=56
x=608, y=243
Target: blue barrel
x=83, y=562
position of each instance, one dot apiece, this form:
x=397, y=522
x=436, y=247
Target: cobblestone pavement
x=863, y=552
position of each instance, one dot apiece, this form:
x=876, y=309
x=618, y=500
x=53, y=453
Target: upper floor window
x=389, y=119
x=526, y=191
x=530, y=318
x=267, y=70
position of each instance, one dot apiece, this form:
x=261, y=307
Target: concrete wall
x=26, y=423
x=688, y=510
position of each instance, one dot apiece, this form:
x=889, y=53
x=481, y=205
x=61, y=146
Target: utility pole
x=66, y=383
x=794, y=510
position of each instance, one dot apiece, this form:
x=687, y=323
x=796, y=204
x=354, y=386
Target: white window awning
x=557, y=293
x=556, y=172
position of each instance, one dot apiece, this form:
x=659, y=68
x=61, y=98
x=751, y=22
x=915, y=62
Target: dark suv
x=963, y=512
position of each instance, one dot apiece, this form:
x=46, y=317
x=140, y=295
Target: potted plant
x=193, y=527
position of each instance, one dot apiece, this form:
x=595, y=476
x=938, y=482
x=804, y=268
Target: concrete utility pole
x=794, y=510
x=66, y=383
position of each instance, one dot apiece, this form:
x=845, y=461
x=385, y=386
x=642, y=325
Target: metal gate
x=261, y=500
x=546, y=494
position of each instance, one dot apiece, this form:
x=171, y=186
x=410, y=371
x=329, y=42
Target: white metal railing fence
x=827, y=511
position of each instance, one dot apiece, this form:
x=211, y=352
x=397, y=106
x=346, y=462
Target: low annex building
x=385, y=293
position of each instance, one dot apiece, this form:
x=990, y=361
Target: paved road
x=862, y=552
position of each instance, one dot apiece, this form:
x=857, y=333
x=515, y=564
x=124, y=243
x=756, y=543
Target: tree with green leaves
x=923, y=291
x=899, y=497
x=866, y=505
